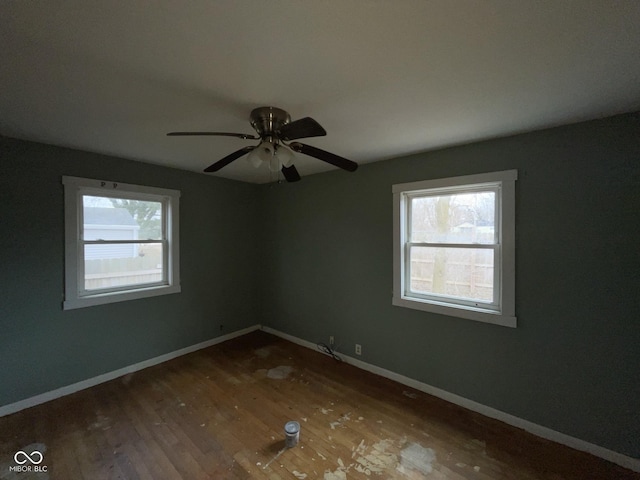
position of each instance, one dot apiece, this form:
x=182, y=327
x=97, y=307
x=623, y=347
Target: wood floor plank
x=219, y=413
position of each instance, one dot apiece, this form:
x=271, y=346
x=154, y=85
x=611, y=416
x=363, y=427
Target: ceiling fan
x=276, y=133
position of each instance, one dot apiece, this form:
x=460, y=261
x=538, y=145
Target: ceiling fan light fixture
x=266, y=151
x=254, y=159
x=274, y=164
x=274, y=126
x=285, y=155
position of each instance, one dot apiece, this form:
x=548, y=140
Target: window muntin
x=122, y=242
x=454, y=246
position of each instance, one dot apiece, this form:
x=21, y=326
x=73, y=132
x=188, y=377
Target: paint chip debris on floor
x=413, y=461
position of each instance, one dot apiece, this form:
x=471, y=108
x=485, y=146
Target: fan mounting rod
x=268, y=120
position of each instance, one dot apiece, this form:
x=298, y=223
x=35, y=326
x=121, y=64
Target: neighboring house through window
x=454, y=246
x=121, y=242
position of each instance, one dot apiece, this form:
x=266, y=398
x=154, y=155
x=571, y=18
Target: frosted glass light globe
x=285, y=155
x=254, y=158
x=266, y=151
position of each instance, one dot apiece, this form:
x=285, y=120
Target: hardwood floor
x=219, y=413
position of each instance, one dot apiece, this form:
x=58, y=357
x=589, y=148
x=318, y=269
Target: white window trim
x=505, y=314
x=74, y=188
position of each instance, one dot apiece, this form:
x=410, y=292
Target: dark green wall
x=314, y=259
x=573, y=363
x=43, y=347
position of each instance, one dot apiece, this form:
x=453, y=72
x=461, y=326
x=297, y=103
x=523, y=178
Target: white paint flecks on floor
x=359, y=449
x=376, y=459
x=299, y=475
x=414, y=461
x=340, y=422
x=338, y=474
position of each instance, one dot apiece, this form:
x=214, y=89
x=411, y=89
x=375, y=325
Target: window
x=454, y=246
x=121, y=242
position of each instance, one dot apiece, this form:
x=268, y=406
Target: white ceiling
x=385, y=78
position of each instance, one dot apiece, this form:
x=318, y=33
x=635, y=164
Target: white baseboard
x=105, y=377
x=538, y=430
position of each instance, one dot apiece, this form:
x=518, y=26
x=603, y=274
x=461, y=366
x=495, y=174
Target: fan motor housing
x=268, y=120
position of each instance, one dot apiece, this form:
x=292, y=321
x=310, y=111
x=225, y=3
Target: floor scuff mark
x=477, y=446
x=409, y=394
x=417, y=458
x=275, y=458
x=299, y=475
x=279, y=373
x=102, y=423
x=263, y=352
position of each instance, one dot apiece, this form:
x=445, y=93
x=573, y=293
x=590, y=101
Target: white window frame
x=502, y=310
x=75, y=294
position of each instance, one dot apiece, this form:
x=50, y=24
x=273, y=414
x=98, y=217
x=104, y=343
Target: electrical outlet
x=358, y=349
x=331, y=341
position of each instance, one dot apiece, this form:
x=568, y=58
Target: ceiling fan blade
x=216, y=134
x=325, y=156
x=290, y=173
x=228, y=159
x=303, y=128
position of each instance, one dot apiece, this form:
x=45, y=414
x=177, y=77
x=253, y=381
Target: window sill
x=468, y=313
x=113, y=297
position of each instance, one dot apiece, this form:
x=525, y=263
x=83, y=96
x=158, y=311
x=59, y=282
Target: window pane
x=122, y=264
x=456, y=218
x=107, y=218
x=459, y=272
